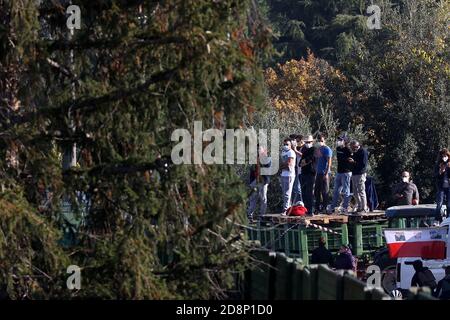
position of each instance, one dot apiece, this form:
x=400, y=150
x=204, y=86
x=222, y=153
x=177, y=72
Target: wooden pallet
x=317, y=219
x=375, y=215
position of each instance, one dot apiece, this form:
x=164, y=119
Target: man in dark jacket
x=423, y=276
x=359, y=173
x=443, y=287
x=308, y=173
x=321, y=255
x=344, y=174
x=442, y=175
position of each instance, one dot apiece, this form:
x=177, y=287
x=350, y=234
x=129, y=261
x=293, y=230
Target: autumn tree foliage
x=301, y=86
x=393, y=82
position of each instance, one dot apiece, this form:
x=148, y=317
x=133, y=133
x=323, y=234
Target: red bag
x=296, y=211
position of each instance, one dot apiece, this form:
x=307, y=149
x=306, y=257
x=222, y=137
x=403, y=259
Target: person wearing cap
x=423, y=276
x=287, y=172
x=359, y=161
x=344, y=174
x=322, y=184
x=405, y=192
x=259, y=183
x=321, y=255
x=443, y=287
x=308, y=173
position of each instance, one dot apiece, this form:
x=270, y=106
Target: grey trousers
x=259, y=194
x=286, y=186
x=359, y=190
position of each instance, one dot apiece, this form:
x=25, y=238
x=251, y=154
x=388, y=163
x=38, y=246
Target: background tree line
x=392, y=83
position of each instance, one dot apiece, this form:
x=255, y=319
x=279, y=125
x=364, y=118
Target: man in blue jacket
x=359, y=160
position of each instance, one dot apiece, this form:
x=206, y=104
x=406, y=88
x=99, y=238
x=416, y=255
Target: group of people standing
x=306, y=173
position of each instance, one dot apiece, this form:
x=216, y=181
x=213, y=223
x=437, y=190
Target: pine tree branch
x=112, y=43
x=211, y=222
x=118, y=168
x=89, y=104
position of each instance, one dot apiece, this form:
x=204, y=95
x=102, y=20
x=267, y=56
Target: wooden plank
x=317, y=219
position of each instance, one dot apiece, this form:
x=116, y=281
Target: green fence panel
x=260, y=278
x=353, y=289
x=303, y=244
x=297, y=280
x=344, y=234
x=293, y=242
x=357, y=239
x=306, y=284
x=278, y=241
x=380, y=239
x=313, y=236
x=313, y=281
x=370, y=238
x=329, y=284
x=284, y=268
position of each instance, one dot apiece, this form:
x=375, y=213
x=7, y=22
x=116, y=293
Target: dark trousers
x=307, y=182
x=441, y=194
x=321, y=190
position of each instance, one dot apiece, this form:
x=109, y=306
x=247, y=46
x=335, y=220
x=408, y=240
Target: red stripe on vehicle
x=422, y=249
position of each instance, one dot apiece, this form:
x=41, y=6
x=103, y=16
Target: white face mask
x=339, y=143
x=405, y=179
x=445, y=159
x=286, y=148
x=308, y=145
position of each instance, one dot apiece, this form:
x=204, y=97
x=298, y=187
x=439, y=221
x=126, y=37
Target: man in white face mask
x=287, y=172
x=405, y=192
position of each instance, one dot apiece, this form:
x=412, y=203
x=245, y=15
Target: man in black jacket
x=442, y=176
x=423, y=276
x=321, y=255
x=344, y=174
x=443, y=287
x=308, y=173
x=359, y=160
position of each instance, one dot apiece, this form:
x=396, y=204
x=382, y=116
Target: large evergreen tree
x=116, y=89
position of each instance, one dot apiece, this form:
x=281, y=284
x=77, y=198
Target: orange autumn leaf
x=246, y=48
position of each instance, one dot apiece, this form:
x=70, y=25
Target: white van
x=405, y=272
